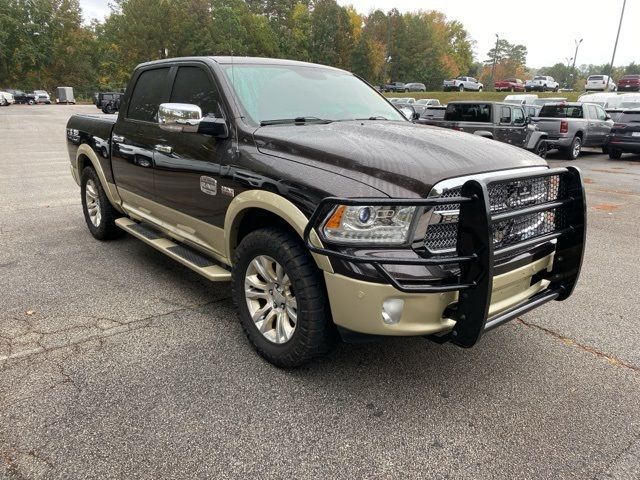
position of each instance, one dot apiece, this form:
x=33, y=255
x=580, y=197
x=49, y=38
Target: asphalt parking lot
x=116, y=362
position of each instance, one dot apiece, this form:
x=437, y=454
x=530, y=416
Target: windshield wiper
x=297, y=120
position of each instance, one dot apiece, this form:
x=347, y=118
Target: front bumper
x=478, y=300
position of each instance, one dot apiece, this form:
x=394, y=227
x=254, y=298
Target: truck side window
x=193, y=86
x=505, y=115
x=593, y=112
x=147, y=95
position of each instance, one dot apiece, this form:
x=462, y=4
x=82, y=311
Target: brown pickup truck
x=330, y=213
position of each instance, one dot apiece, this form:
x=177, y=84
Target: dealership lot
x=116, y=362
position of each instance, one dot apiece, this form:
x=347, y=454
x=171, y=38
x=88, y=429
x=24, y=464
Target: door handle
x=117, y=138
x=164, y=149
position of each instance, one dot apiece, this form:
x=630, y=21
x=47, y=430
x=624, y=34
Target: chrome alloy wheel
x=270, y=299
x=93, y=203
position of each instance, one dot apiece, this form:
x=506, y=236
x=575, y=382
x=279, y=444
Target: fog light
x=392, y=310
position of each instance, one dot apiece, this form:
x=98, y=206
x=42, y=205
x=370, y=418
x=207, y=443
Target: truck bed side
x=91, y=133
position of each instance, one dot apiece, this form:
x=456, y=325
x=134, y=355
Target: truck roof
x=228, y=60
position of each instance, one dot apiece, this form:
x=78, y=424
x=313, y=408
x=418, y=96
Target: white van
x=604, y=99
x=521, y=99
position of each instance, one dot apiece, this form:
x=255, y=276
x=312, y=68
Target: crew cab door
x=135, y=135
x=192, y=168
x=598, y=126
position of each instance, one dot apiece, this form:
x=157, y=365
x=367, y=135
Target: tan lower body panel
x=182, y=227
x=213, y=272
x=357, y=305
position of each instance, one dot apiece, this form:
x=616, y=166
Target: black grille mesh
x=506, y=196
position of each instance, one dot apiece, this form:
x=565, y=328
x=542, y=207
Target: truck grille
x=505, y=196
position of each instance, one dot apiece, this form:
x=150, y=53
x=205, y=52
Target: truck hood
x=401, y=159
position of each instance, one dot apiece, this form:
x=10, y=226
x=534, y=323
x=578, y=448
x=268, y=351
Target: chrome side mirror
x=179, y=117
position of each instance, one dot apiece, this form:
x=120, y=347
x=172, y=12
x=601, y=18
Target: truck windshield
x=278, y=92
x=561, y=111
x=468, y=112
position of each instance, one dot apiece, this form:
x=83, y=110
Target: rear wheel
x=574, y=150
x=512, y=89
x=98, y=211
x=615, y=153
x=281, y=299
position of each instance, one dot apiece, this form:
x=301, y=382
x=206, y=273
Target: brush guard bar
x=475, y=252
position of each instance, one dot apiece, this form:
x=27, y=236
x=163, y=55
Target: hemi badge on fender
x=208, y=185
x=227, y=191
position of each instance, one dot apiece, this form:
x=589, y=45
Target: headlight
x=389, y=225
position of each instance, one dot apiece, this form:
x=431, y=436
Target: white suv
x=542, y=83
x=602, y=83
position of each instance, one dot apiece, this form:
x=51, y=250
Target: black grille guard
x=475, y=252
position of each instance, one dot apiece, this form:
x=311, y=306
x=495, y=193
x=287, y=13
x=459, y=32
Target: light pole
x=495, y=58
x=624, y=4
x=566, y=82
x=575, y=56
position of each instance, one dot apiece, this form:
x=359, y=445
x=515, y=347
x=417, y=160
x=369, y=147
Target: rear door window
x=505, y=115
x=149, y=92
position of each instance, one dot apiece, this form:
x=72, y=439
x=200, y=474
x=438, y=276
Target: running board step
x=181, y=253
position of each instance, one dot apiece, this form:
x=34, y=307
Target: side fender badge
x=209, y=185
x=227, y=191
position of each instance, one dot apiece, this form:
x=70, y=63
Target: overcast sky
x=547, y=28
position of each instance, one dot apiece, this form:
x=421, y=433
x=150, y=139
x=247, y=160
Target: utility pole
x=575, y=56
x=387, y=57
x=566, y=81
x=615, y=47
x=495, y=58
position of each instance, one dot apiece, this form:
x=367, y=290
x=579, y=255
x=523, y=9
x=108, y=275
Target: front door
x=191, y=169
x=519, y=129
x=503, y=127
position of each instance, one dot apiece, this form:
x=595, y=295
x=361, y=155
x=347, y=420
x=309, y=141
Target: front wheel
x=98, y=211
x=461, y=88
x=281, y=298
x=480, y=89
x=542, y=149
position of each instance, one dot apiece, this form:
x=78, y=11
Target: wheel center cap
x=278, y=297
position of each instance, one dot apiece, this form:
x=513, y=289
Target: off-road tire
x=107, y=228
x=315, y=333
x=570, y=153
x=615, y=153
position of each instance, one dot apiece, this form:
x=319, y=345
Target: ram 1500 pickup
x=326, y=209
x=574, y=125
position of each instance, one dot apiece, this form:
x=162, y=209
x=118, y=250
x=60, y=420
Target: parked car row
x=403, y=87
x=31, y=98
